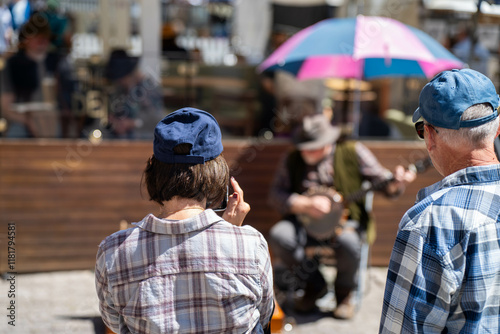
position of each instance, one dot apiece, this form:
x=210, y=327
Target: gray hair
x=474, y=136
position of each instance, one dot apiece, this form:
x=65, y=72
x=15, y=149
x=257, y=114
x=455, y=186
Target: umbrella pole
x=356, y=104
x=356, y=109
x=344, y=116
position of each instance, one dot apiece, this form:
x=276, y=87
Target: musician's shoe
x=346, y=308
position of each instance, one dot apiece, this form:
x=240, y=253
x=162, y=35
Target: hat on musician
x=187, y=126
x=315, y=132
x=445, y=98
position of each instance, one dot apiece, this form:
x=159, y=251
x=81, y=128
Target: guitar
x=333, y=222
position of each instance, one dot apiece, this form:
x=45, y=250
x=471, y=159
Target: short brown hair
x=201, y=181
x=37, y=25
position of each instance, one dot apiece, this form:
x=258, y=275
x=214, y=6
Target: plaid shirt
x=444, y=273
x=198, y=275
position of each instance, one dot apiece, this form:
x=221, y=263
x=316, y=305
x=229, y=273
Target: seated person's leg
x=292, y=270
x=348, y=252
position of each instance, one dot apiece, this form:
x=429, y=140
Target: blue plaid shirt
x=198, y=275
x=444, y=273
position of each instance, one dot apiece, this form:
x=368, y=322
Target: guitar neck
x=418, y=167
x=360, y=194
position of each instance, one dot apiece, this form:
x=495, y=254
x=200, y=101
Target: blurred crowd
x=35, y=42
x=41, y=95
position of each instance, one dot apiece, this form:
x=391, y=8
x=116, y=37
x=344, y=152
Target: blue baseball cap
x=444, y=99
x=187, y=126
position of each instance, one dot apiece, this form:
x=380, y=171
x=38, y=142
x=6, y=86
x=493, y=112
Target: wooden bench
x=66, y=196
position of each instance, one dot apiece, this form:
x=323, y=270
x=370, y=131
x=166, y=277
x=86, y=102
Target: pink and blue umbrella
x=365, y=47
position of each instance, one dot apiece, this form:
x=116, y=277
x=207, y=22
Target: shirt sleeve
x=419, y=288
x=371, y=169
x=266, y=307
x=109, y=314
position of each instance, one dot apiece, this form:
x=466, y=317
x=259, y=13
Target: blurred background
x=204, y=53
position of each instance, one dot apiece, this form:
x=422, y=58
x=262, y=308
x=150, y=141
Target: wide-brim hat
x=315, y=132
x=120, y=64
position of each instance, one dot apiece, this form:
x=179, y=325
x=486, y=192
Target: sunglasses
x=419, y=127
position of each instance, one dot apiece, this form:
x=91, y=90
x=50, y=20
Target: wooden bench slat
x=61, y=219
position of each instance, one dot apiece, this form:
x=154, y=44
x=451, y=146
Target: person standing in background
x=21, y=12
x=22, y=82
x=471, y=51
x=6, y=28
x=135, y=102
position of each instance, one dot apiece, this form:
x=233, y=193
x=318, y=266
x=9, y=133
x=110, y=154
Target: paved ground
x=66, y=303
x=365, y=321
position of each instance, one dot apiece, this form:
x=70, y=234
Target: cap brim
x=329, y=138
x=416, y=115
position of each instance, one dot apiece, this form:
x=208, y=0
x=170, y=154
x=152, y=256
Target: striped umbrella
x=364, y=47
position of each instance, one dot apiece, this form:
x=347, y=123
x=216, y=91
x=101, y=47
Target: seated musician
x=321, y=159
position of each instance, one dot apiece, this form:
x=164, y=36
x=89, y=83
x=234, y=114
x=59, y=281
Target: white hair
x=474, y=136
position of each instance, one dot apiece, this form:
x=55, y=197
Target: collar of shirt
x=469, y=175
x=167, y=226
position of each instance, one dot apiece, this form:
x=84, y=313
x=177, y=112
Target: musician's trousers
x=288, y=240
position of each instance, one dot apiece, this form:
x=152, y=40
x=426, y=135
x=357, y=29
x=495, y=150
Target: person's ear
x=430, y=137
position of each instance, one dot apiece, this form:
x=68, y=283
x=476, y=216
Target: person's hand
x=318, y=206
x=402, y=177
x=237, y=208
x=313, y=206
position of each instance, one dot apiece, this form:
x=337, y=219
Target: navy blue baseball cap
x=187, y=126
x=445, y=98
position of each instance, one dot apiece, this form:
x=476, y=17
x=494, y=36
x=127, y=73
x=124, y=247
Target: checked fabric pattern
x=444, y=273
x=199, y=275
